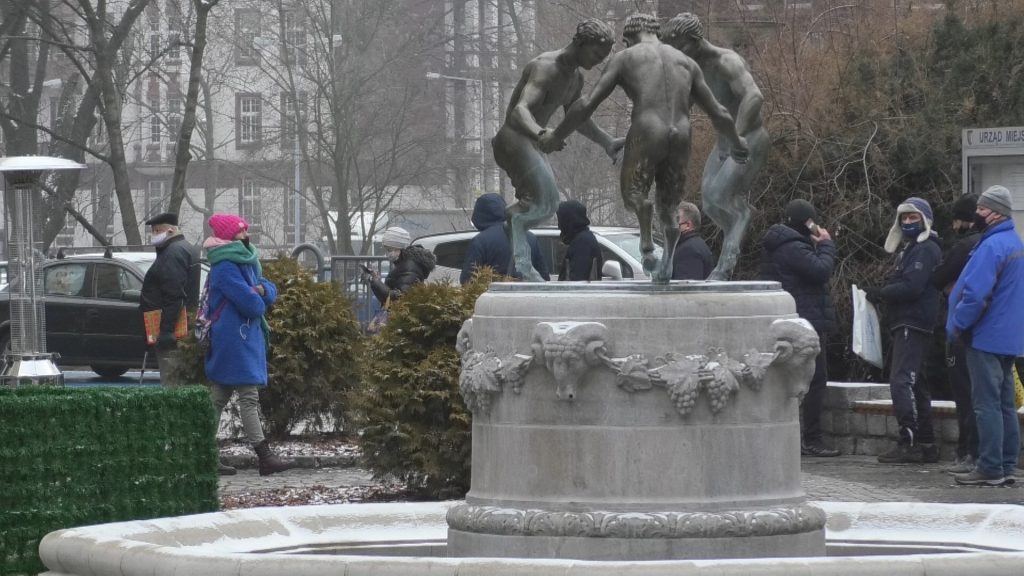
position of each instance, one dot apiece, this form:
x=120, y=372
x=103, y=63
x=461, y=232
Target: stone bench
x=858, y=418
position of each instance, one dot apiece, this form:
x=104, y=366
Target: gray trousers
x=248, y=408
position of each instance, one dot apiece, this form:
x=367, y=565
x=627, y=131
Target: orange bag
x=151, y=321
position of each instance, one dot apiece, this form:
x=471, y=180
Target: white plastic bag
x=867, y=336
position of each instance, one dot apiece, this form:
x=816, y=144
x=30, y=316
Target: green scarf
x=239, y=253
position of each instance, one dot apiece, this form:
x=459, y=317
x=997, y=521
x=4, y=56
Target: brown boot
x=269, y=462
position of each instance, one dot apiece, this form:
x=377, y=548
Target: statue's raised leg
x=543, y=194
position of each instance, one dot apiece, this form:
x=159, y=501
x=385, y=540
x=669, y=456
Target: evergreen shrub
x=413, y=424
x=76, y=457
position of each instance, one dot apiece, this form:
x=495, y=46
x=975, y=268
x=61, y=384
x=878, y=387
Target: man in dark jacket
x=801, y=256
x=409, y=265
x=692, y=259
x=171, y=285
x=912, y=304
x=945, y=275
x=583, y=258
x=491, y=247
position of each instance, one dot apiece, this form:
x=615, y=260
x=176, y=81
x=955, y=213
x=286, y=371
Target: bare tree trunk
x=188, y=123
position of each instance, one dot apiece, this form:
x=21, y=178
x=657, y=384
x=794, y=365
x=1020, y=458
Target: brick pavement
x=845, y=479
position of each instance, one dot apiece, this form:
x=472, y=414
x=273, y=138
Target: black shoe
x=817, y=449
x=929, y=453
x=901, y=454
x=225, y=470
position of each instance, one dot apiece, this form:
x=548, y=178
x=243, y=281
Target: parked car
x=92, y=311
x=620, y=246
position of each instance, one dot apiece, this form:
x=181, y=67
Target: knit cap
x=396, y=237
x=997, y=199
x=909, y=206
x=227, y=226
x=964, y=207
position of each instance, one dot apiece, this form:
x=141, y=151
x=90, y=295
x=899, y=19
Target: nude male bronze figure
x=550, y=80
x=726, y=182
x=662, y=82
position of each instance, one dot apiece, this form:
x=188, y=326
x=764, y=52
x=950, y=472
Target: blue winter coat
x=986, y=305
x=491, y=247
x=238, y=345
x=804, y=270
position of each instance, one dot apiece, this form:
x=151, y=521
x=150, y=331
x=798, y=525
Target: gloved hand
x=166, y=341
x=873, y=294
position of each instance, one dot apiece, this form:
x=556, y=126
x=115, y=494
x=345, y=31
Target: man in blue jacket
x=912, y=307
x=491, y=247
x=986, y=314
x=802, y=259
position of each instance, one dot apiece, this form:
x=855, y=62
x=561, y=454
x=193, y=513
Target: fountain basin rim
x=225, y=542
x=638, y=286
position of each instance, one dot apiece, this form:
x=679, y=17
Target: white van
x=620, y=246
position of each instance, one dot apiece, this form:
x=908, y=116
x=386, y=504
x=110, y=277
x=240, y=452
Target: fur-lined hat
x=909, y=206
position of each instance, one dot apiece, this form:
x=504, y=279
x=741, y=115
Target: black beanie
x=964, y=207
x=798, y=212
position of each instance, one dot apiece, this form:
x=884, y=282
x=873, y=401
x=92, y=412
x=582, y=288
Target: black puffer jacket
x=804, y=270
x=691, y=259
x=910, y=297
x=583, y=258
x=172, y=281
x=954, y=261
x=413, y=266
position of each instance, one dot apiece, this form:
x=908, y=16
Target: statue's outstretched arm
x=581, y=110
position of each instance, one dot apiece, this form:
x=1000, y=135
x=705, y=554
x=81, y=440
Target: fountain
x=654, y=433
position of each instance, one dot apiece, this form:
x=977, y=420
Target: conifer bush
x=413, y=424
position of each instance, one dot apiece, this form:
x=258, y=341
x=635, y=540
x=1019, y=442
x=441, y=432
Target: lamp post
x=27, y=362
x=481, y=118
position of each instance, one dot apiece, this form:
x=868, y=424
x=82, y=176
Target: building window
x=293, y=45
x=155, y=129
x=156, y=193
x=247, y=28
x=173, y=11
x=154, y=46
x=248, y=120
x=249, y=205
x=291, y=116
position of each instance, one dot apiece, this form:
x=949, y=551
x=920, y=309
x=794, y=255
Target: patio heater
x=27, y=362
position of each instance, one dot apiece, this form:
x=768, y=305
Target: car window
x=65, y=280
x=452, y=254
x=112, y=280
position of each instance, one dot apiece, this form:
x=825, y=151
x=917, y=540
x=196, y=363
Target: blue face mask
x=912, y=230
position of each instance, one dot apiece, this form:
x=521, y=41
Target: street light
x=480, y=114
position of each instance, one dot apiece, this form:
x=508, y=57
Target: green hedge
x=71, y=457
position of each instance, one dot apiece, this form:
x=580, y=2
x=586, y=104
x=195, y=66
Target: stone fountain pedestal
x=629, y=421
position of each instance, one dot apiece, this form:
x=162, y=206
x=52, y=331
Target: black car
x=92, y=311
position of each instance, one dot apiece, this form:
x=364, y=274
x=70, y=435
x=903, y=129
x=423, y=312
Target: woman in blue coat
x=238, y=297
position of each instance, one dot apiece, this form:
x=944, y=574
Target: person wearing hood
x=170, y=285
x=238, y=297
x=410, y=265
x=692, y=258
x=801, y=256
x=944, y=277
x=583, y=258
x=491, y=247
x=986, y=315
x=911, y=306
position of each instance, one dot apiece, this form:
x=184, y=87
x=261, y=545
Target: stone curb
x=246, y=461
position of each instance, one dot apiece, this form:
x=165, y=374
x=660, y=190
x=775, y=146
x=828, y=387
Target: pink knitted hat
x=226, y=226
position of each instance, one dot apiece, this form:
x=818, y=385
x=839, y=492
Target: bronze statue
x=726, y=181
x=548, y=81
x=662, y=83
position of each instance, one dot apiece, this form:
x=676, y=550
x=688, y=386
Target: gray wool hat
x=997, y=199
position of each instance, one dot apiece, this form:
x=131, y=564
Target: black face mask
x=246, y=242
x=980, y=222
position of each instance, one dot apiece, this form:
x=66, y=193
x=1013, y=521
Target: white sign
x=1005, y=137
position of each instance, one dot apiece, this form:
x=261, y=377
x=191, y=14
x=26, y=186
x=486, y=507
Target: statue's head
x=637, y=23
x=683, y=32
x=594, y=40
x=796, y=349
